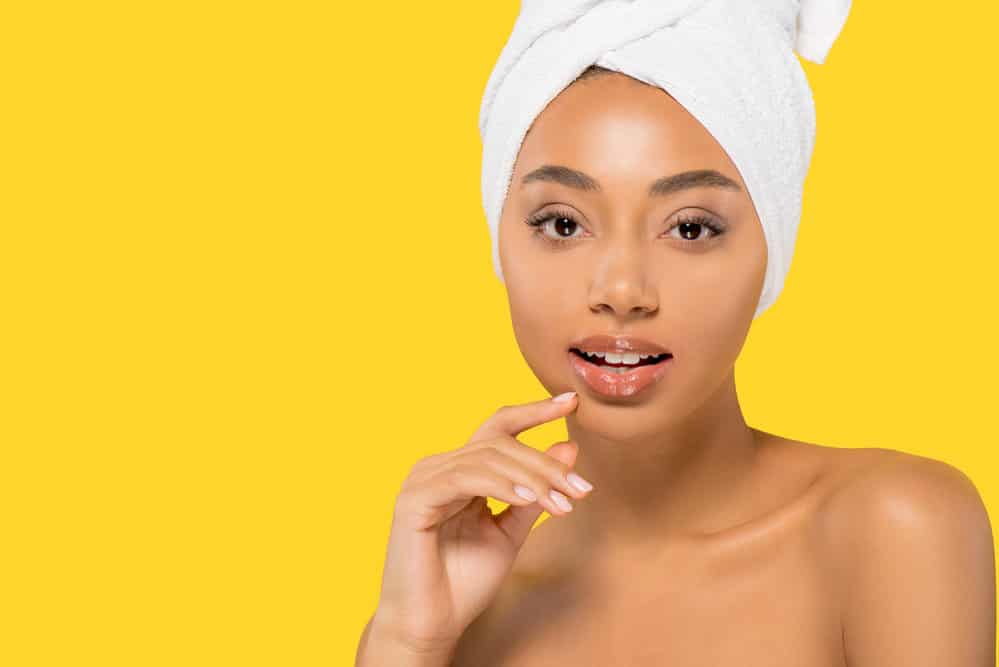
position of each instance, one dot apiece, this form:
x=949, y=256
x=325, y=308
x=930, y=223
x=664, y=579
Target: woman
x=680, y=534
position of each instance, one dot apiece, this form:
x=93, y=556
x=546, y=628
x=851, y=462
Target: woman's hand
x=447, y=552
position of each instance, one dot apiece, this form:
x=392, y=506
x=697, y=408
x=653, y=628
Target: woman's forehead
x=618, y=129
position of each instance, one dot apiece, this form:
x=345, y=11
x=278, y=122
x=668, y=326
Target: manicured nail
x=562, y=398
x=524, y=492
x=578, y=482
x=560, y=500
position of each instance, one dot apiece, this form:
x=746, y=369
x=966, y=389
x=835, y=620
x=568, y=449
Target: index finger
x=513, y=419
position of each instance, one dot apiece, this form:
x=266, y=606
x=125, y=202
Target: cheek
x=537, y=307
x=535, y=290
x=515, y=251
x=542, y=304
x=719, y=306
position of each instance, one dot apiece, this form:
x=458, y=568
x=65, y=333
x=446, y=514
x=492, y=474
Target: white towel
x=729, y=63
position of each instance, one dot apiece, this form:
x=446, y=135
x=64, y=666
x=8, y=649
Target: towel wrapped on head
x=730, y=63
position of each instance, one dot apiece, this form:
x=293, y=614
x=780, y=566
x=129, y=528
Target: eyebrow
x=685, y=180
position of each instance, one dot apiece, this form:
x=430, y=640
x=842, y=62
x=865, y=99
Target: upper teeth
x=614, y=358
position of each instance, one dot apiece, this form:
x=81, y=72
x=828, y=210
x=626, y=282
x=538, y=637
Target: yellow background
x=245, y=284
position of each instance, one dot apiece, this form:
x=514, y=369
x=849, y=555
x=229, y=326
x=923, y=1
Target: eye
x=561, y=223
x=692, y=229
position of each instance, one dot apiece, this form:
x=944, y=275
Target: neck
x=674, y=482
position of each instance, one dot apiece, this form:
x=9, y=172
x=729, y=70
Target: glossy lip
x=616, y=385
x=618, y=344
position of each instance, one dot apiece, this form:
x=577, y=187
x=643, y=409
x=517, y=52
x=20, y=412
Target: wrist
x=384, y=645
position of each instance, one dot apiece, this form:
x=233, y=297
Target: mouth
x=621, y=363
x=621, y=375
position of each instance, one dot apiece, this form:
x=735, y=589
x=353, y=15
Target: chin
x=620, y=428
x=623, y=422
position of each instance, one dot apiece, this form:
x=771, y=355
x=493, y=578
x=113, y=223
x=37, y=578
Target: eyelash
x=538, y=220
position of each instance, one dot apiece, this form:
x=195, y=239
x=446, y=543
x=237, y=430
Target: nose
x=621, y=285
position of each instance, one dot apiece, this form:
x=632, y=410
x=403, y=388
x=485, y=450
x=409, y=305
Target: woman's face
x=682, y=267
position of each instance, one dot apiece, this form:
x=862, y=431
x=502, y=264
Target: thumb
x=564, y=451
x=518, y=520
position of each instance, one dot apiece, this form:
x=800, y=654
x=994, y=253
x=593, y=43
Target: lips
x=618, y=344
x=613, y=383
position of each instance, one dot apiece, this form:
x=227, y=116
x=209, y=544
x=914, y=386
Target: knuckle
x=411, y=479
x=419, y=465
x=465, y=458
x=461, y=472
x=403, y=501
x=408, y=480
x=424, y=467
x=474, y=444
x=503, y=410
x=541, y=483
x=552, y=467
x=560, y=469
x=490, y=454
x=507, y=443
x=482, y=444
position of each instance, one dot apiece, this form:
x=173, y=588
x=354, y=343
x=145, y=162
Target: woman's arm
x=379, y=648
x=919, y=568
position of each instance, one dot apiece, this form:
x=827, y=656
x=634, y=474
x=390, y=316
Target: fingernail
x=560, y=500
x=578, y=482
x=562, y=398
x=524, y=492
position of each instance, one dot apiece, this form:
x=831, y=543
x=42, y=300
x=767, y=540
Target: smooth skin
x=704, y=541
x=448, y=554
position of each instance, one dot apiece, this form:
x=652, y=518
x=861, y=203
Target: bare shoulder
x=909, y=544
x=876, y=489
